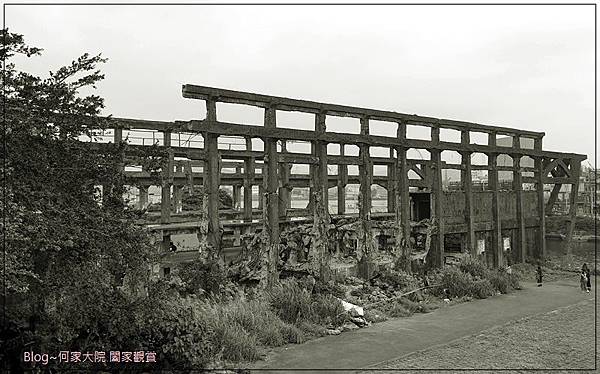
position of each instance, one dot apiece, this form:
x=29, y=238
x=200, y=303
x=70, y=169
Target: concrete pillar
x=365, y=245
x=167, y=181
x=467, y=182
x=539, y=172
x=177, y=197
x=271, y=200
x=341, y=185
x=211, y=181
x=237, y=197
x=142, y=197
x=437, y=200
x=520, y=242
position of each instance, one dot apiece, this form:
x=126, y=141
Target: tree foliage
x=67, y=251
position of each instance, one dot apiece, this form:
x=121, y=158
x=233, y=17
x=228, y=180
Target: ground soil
x=560, y=339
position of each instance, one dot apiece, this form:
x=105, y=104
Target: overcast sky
x=529, y=67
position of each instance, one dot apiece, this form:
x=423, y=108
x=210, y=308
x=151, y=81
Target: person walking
x=539, y=276
x=586, y=270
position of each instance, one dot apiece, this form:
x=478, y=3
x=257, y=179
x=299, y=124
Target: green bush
x=456, y=282
x=474, y=267
x=250, y=322
x=179, y=330
x=293, y=303
x=412, y=306
x=237, y=344
x=397, y=309
x=375, y=315
x=290, y=301
x=257, y=318
x=311, y=329
x=365, y=289
x=513, y=281
x=292, y=334
x=329, y=288
x=327, y=310
x=399, y=279
x=481, y=289
x=499, y=280
x=203, y=278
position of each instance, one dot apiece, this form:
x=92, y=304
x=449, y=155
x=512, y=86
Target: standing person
x=539, y=275
x=583, y=280
x=585, y=269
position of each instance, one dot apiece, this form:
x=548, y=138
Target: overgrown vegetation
x=77, y=268
x=472, y=278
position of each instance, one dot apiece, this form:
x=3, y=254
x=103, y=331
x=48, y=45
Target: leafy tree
x=66, y=251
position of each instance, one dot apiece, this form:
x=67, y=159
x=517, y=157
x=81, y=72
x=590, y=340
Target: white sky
x=528, y=67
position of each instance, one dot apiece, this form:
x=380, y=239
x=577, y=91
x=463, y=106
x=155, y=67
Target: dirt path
x=398, y=337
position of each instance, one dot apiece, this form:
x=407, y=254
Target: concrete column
x=271, y=200
x=365, y=241
x=248, y=182
x=467, y=182
x=177, y=197
x=284, y=192
x=539, y=172
x=142, y=197
x=402, y=199
x=341, y=185
x=521, y=248
x=212, y=172
x=167, y=180
x=437, y=199
x=237, y=197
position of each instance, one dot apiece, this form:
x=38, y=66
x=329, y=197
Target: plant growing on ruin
x=67, y=250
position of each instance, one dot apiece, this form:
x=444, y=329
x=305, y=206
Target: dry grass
x=561, y=339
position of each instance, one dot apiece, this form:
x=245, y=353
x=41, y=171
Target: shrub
x=481, y=289
x=412, y=306
x=329, y=288
x=454, y=281
x=290, y=301
x=203, y=278
x=474, y=267
x=293, y=303
x=513, y=281
x=242, y=326
x=180, y=330
x=499, y=280
x=399, y=279
x=397, y=309
x=311, y=329
x=361, y=291
x=236, y=343
x=327, y=310
x=292, y=334
x=375, y=315
x=256, y=318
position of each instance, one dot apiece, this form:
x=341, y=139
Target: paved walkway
x=398, y=337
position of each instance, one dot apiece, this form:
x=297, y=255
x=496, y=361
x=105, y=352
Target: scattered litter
x=353, y=310
x=334, y=331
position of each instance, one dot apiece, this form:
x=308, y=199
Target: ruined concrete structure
x=485, y=223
